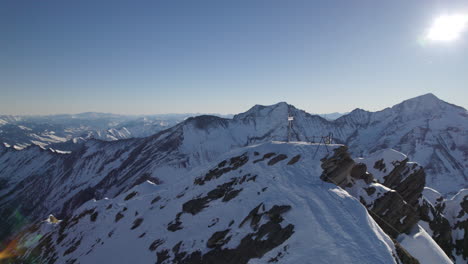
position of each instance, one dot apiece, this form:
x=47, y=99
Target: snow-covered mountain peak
x=280, y=109
x=427, y=104
x=206, y=121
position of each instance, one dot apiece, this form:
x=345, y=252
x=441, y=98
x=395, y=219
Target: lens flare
x=11, y=250
x=447, y=28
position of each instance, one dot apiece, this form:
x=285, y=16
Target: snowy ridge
x=426, y=129
x=50, y=181
x=326, y=222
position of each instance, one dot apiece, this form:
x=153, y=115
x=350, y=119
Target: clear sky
x=142, y=57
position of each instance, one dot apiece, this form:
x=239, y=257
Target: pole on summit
x=290, y=119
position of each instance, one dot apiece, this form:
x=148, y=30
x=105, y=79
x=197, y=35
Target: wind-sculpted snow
x=278, y=213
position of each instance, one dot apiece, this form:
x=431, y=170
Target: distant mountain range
x=209, y=189
x=48, y=131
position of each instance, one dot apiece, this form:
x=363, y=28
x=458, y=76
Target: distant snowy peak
x=332, y=116
x=280, y=109
x=427, y=105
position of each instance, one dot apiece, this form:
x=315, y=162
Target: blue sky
x=143, y=57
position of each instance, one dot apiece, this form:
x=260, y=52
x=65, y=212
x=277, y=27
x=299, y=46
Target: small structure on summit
x=52, y=219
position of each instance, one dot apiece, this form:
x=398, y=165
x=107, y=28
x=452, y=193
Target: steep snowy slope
x=263, y=203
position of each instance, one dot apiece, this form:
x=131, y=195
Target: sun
x=447, y=28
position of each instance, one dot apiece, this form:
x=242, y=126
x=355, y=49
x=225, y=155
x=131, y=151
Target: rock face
x=387, y=207
x=396, y=202
x=407, y=180
x=447, y=220
x=338, y=167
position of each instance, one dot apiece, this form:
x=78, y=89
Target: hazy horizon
x=214, y=113
x=224, y=57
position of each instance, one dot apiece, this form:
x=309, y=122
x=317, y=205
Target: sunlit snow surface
x=330, y=226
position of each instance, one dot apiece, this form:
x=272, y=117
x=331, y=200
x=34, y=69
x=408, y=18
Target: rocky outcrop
x=448, y=222
x=439, y=225
x=402, y=207
x=389, y=208
x=337, y=168
x=407, y=180
x=393, y=214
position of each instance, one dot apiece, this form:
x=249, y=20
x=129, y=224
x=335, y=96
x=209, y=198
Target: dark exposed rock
x=78, y=199
x=276, y=211
x=234, y=164
x=224, y=191
x=156, y=199
x=205, y=121
x=218, y=239
x=93, y=217
x=336, y=169
x=137, y=223
x=277, y=159
x=411, y=187
x=359, y=172
x=214, y=221
x=156, y=243
x=266, y=156
x=254, y=245
x=294, y=160
x=231, y=195
x=393, y=213
x=130, y=196
x=118, y=216
x=175, y=224
x=195, y=206
x=370, y=190
x=72, y=248
x=254, y=216
x=379, y=165
x=76, y=219
x=440, y=226
x=391, y=208
x=162, y=256
x=404, y=255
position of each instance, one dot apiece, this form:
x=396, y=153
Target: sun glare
x=447, y=28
